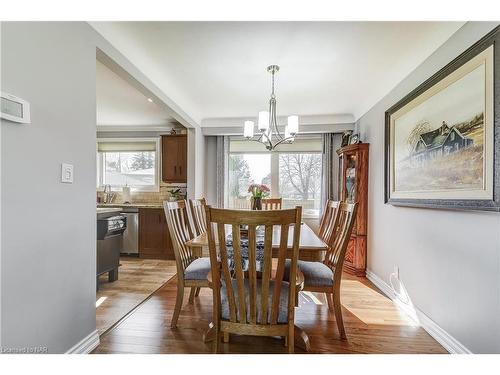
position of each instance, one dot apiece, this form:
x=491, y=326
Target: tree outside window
x=300, y=181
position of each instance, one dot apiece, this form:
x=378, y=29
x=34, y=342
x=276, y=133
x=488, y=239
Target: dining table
x=310, y=244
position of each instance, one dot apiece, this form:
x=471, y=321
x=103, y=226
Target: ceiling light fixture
x=150, y=100
x=268, y=125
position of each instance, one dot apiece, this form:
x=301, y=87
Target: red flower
x=258, y=190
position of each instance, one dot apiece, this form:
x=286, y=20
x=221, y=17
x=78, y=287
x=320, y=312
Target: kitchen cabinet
x=154, y=237
x=174, y=158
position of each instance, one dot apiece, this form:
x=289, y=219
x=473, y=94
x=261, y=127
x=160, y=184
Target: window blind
x=121, y=146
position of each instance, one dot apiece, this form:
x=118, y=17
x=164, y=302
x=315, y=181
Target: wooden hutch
x=353, y=187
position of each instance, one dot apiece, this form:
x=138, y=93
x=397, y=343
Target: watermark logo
x=24, y=350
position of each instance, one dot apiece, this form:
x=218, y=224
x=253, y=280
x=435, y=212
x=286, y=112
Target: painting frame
x=490, y=203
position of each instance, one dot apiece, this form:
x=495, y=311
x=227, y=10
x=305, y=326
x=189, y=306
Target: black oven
x=110, y=228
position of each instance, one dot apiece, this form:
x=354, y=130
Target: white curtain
x=330, y=177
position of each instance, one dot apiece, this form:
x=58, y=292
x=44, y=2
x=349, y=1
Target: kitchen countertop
x=107, y=210
x=131, y=205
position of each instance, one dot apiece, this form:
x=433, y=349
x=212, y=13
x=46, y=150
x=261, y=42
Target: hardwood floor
x=138, y=278
x=373, y=325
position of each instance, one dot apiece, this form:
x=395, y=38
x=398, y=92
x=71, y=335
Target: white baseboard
x=451, y=344
x=86, y=345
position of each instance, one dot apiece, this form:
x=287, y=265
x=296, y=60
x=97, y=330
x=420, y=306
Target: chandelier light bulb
x=287, y=132
x=293, y=125
x=263, y=121
x=248, y=130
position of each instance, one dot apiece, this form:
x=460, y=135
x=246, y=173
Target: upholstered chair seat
x=198, y=269
x=315, y=273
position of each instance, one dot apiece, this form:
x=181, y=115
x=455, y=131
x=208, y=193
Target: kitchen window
x=293, y=172
x=128, y=162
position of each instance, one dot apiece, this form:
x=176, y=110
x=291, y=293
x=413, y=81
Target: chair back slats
x=180, y=233
x=342, y=224
x=240, y=264
x=280, y=272
x=293, y=269
x=226, y=272
x=238, y=272
x=197, y=209
x=266, y=274
x=252, y=272
x=271, y=204
x=326, y=228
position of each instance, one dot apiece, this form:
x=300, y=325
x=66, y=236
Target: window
x=245, y=169
x=133, y=162
x=300, y=181
x=293, y=172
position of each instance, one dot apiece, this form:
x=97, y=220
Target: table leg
x=210, y=334
x=302, y=339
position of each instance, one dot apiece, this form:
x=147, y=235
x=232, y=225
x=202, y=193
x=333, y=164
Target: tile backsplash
x=147, y=197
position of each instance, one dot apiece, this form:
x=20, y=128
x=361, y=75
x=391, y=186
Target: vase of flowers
x=258, y=192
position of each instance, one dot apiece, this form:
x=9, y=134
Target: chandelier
x=269, y=133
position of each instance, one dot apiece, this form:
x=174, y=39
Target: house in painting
x=439, y=142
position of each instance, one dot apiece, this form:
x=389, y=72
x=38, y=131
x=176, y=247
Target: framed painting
x=442, y=141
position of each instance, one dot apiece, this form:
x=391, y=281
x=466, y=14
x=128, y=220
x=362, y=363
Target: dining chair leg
x=338, y=315
x=215, y=319
x=329, y=299
x=225, y=336
x=178, y=303
x=191, y=294
x=197, y=292
x=291, y=338
x=286, y=340
x=216, y=341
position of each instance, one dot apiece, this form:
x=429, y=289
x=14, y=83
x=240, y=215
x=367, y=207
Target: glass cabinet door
x=350, y=178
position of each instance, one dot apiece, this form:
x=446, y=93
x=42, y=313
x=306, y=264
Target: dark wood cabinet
x=353, y=187
x=154, y=237
x=174, y=158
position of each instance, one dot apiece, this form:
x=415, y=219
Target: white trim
x=306, y=129
x=86, y=345
x=381, y=284
x=451, y=344
x=329, y=119
x=138, y=128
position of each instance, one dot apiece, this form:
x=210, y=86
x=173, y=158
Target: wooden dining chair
x=269, y=204
x=191, y=271
x=325, y=277
x=327, y=220
x=197, y=210
x=243, y=303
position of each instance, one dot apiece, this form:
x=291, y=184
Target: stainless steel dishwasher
x=131, y=234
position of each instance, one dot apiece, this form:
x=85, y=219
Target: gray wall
x=449, y=261
x=196, y=163
x=48, y=228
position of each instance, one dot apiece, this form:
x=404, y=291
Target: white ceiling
x=121, y=104
x=218, y=69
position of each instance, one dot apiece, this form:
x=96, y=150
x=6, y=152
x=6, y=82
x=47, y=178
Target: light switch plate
x=67, y=173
